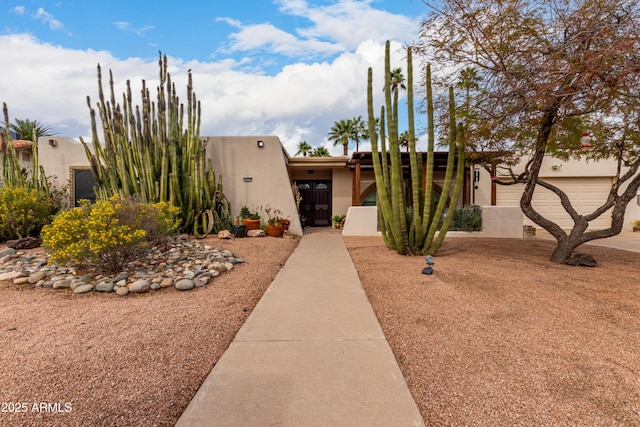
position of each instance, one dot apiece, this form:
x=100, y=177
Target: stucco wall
x=237, y=158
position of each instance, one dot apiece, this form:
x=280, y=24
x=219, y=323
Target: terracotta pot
x=251, y=224
x=274, y=230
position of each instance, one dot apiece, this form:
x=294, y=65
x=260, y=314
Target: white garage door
x=586, y=194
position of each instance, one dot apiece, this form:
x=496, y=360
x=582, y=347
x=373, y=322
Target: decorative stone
x=62, y=284
x=37, y=276
x=122, y=283
x=7, y=251
x=166, y=282
x=11, y=275
x=122, y=291
x=83, y=289
x=155, y=286
x=200, y=282
x=582, y=260
x=139, y=286
x=225, y=234
x=184, y=285
x=287, y=235
x=24, y=243
x=255, y=233
x=228, y=266
x=20, y=280
x=104, y=287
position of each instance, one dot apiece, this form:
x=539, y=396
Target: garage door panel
x=586, y=195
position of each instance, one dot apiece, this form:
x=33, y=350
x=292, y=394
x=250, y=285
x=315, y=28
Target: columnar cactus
x=412, y=229
x=147, y=152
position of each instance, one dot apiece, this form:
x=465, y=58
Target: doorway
x=316, y=202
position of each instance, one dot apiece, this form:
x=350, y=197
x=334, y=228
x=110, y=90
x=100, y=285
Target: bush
x=109, y=233
x=468, y=218
x=24, y=211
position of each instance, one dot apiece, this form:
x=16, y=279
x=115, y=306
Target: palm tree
x=359, y=130
x=341, y=133
x=403, y=139
x=397, y=80
x=26, y=128
x=469, y=79
x=320, y=152
x=303, y=148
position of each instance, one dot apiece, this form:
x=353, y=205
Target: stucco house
x=257, y=171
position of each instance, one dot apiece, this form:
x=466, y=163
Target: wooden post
x=494, y=172
x=355, y=192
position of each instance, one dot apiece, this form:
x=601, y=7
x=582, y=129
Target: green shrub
x=24, y=211
x=468, y=218
x=109, y=233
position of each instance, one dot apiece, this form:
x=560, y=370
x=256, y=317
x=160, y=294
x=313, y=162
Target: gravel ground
x=104, y=360
x=499, y=335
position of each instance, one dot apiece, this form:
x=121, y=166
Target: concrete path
x=312, y=353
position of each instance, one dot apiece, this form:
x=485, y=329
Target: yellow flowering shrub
x=108, y=233
x=24, y=211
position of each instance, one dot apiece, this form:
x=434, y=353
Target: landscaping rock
x=155, y=286
x=11, y=275
x=24, y=243
x=255, y=233
x=7, y=251
x=83, y=289
x=184, y=285
x=166, y=282
x=20, y=280
x=37, y=276
x=104, y=287
x=139, y=286
x=582, y=260
x=62, y=284
x=122, y=291
x=225, y=234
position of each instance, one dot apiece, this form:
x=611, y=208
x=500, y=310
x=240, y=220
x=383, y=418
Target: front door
x=316, y=201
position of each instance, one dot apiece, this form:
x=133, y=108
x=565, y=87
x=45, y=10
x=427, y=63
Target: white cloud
x=18, y=10
x=126, y=26
x=341, y=26
x=48, y=18
x=301, y=102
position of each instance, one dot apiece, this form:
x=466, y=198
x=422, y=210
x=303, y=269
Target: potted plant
x=250, y=219
x=338, y=220
x=238, y=229
x=274, y=222
x=636, y=225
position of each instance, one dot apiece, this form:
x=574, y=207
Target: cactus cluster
x=146, y=151
x=411, y=229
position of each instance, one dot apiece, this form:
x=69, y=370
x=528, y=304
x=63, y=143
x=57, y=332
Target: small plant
x=108, y=233
x=245, y=213
x=636, y=225
x=338, y=220
x=24, y=211
x=273, y=216
x=296, y=195
x=468, y=218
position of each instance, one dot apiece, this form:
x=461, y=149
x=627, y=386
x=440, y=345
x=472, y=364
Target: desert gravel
x=501, y=336
x=103, y=360
x=497, y=336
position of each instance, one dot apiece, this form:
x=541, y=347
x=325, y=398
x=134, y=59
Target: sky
x=289, y=68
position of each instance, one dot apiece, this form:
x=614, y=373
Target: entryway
x=316, y=201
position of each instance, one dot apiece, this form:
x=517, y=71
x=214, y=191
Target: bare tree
x=550, y=71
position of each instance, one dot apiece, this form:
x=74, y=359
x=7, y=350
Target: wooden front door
x=316, y=201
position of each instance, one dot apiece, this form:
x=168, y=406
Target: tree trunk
x=564, y=250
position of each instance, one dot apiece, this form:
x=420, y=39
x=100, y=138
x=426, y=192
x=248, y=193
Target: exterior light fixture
x=556, y=166
x=429, y=268
x=247, y=179
x=260, y=143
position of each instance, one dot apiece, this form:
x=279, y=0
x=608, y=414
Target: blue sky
x=285, y=67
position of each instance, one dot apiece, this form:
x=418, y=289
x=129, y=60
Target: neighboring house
x=257, y=172
x=23, y=150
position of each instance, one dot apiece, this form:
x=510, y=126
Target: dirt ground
x=499, y=335
x=104, y=360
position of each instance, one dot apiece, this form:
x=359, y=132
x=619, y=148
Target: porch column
x=355, y=188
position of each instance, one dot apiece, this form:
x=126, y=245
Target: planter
x=239, y=231
x=285, y=224
x=636, y=229
x=274, y=230
x=251, y=224
x=528, y=232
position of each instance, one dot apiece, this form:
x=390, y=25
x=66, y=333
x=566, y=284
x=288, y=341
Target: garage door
x=586, y=194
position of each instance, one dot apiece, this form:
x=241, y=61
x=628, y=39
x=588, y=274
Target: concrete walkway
x=312, y=353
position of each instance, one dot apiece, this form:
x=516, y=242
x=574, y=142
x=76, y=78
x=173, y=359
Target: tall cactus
x=147, y=152
x=412, y=229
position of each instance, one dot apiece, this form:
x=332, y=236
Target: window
x=322, y=186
